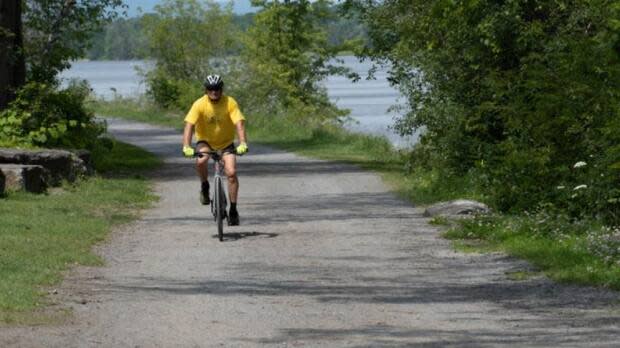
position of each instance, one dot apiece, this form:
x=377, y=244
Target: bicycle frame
x=219, y=201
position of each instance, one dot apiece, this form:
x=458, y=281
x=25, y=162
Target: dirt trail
x=325, y=256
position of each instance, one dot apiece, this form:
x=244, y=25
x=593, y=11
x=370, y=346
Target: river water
x=368, y=100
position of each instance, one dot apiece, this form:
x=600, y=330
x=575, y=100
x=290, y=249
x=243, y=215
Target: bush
x=170, y=93
x=43, y=116
x=516, y=91
x=163, y=91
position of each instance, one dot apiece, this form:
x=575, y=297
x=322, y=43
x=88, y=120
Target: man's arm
x=241, y=131
x=187, y=134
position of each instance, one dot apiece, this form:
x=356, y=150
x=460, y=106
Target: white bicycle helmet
x=214, y=82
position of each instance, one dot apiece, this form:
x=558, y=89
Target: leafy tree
x=186, y=36
x=12, y=64
x=188, y=40
x=287, y=54
x=59, y=31
x=55, y=32
x=515, y=91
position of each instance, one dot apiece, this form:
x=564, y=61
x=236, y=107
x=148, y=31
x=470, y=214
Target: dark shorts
x=228, y=149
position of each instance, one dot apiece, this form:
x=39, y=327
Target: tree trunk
x=12, y=64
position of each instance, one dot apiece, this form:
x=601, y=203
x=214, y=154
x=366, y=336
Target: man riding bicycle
x=215, y=118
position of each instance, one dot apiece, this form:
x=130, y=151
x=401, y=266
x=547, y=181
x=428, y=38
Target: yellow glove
x=242, y=148
x=188, y=151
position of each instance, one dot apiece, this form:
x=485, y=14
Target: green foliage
x=45, y=117
x=162, y=90
x=58, y=31
x=516, y=92
x=187, y=37
x=126, y=38
x=286, y=55
x=189, y=40
x=55, y=32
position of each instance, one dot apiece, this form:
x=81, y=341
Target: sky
x=240, y=6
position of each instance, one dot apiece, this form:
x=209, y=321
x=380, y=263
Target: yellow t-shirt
x=215, y=122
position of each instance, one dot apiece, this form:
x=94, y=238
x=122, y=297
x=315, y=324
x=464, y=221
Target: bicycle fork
x=219, y=201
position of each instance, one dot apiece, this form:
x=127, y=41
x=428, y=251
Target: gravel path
x=325, y=257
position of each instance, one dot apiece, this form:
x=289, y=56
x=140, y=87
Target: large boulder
x=60, y=165
x=24, y=177
x=457, y=208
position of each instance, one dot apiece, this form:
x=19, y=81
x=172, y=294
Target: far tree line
x=125, y=39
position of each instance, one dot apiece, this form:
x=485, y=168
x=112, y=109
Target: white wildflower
x=580, y=187
x=580, y=164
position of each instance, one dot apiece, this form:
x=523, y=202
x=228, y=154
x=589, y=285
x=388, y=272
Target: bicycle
x=219, y=202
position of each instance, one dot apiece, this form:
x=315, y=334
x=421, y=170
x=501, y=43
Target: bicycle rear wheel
x=219, y=198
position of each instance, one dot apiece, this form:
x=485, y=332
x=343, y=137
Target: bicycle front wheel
x=219, y=199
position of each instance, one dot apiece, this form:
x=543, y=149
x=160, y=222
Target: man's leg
x=202, y=165
x=230, y=168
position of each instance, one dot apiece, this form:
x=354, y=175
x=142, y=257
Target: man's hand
x=242, y=149
x=188, y=151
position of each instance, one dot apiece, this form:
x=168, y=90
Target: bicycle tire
x=219, y=208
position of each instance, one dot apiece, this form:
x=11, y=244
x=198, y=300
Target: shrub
x=43, y=116
x=162, y=90
x=171, y=93
x=517, y=91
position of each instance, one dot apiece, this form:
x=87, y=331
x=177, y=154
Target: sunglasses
x=214, y=89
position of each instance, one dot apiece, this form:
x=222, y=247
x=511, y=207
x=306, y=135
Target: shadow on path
x=235, y=236
x=538, y=297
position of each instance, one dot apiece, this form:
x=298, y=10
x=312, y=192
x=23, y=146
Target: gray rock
x=457, y=208
x=87, y=161
x=24, y=177
x=61, y=165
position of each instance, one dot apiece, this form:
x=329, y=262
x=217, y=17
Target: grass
x=137, y=110
x=43, y=235
x=565, y=256
x=563, y=251
x=121, y=159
